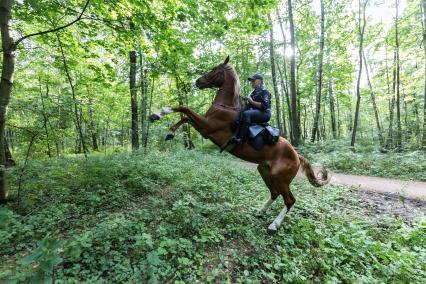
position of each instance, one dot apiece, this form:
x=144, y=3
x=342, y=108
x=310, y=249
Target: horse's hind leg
x=289, y=201
x=265, y=173
x=282, y=174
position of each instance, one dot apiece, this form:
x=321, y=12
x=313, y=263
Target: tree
x=295, y=133
x=373, y=101
x=319, y=78
x=77, y=114
x=361, y=30
x=424, y=91
x=283, y=75
x=332, y=110
x=133, y=100
x=9, y=47
x=397, y=83
x=274, y=75
x=144, y=99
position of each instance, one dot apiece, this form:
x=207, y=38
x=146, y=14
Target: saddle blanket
x=261, y=135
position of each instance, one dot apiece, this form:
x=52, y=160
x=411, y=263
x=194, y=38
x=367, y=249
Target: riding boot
x=242, y=134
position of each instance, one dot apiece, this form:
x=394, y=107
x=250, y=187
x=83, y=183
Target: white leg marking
x=265, y=206
x=277, y=222
x=166, y=110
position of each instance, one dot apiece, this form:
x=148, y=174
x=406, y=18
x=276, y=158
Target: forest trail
x=406, y=188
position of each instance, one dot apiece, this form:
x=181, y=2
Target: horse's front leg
x=159, y=114
x=200, y=123
x=174, y=127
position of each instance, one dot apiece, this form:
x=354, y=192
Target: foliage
x=178, y=41
x=368, y=160
x=188, y=216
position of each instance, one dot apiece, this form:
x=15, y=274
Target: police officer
x=258, y=109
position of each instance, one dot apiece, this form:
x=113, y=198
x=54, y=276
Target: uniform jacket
x=263, y=96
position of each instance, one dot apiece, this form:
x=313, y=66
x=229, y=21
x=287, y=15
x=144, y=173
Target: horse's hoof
x=169, y=136
x=272, y=230
x=153, y=117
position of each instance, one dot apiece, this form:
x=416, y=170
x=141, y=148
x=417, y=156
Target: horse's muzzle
x=201, y=84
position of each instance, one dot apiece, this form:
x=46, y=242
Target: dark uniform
x=262, y=114
x=254, y=114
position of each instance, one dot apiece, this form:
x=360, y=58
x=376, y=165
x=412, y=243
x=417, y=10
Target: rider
x=258, y=108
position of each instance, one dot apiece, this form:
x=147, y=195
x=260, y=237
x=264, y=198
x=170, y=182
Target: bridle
x=210, y=82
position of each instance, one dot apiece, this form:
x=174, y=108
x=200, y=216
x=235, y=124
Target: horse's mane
x=237, y=87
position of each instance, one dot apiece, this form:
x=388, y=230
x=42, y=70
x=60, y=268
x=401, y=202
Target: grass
x=188, y=216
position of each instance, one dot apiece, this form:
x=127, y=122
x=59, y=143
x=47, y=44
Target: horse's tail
x=309, y=172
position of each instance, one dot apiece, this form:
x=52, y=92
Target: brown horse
x=278, y=164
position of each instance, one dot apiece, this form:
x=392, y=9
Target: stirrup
x=234, y=141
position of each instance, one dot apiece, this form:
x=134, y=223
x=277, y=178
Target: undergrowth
x=189, y=216
x=367, y=160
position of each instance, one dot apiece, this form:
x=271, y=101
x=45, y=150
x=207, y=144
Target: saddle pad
x=255, y=129
x=275, y=132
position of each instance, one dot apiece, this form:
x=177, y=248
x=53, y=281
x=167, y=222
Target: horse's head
x=214, y=78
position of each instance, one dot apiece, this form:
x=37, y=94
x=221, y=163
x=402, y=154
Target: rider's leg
x=244, y=128
x=259, y=116
x=249, y=116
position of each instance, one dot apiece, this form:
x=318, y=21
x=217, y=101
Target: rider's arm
x=265, y=102
x=254, y=103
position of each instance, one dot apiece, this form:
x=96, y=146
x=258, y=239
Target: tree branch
x=15, y=45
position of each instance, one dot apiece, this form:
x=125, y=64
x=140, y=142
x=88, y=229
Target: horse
x=277, y=164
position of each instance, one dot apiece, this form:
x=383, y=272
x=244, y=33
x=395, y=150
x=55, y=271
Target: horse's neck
x=228, y=94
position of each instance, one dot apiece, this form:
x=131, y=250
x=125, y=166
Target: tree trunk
x=122, y=130
x=295, y=133
x=283, y=76
x=144, y=98
x=283, y=100
x=339, y=123
x=398, y=97
x=373, y=101
x=134, y=100
x=9, y=159
x=45, y=118
x=149, y=111
x=305, y=131
x=361, y=29
x=389, y=142
x=424, y=91
x=319, y=81
x=77, y=119
x=332, y=111
x=274, y=75
x=92, y=126
x=6, y=83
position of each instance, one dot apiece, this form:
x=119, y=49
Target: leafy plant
x=43, y=260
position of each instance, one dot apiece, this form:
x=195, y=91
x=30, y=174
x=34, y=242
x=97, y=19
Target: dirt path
x=415, y=190
x=405, y=188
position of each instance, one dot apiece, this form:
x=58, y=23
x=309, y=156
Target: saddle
x=260, y=134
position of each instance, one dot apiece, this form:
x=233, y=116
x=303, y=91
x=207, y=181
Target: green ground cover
x=189, y=216
x=367, y=160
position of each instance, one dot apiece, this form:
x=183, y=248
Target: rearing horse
x=278, y=164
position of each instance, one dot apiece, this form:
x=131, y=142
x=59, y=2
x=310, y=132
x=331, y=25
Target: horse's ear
x=226, y=60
